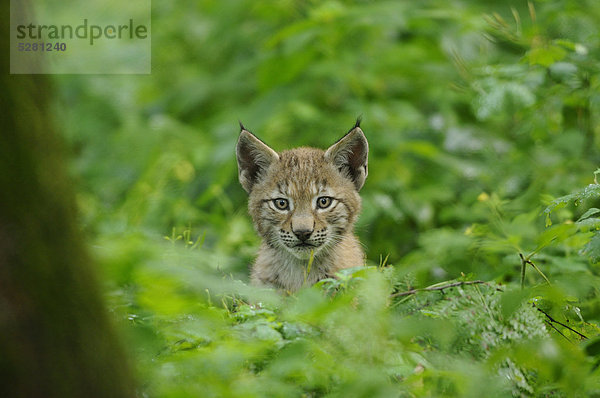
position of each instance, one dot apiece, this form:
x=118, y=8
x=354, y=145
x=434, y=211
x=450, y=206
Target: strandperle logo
x=81, y=37
x=83, y=31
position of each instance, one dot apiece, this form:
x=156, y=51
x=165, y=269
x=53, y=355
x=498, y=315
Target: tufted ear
x=253, y=158
x=350, y=155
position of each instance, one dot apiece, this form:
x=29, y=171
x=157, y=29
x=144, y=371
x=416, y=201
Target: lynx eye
x=281, y=204
x=324, y=202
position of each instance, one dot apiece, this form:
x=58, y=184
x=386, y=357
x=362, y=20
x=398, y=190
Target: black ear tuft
x=357, y=124
x=242, y=128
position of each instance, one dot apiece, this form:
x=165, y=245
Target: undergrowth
x=480, y=215
x=371, y=331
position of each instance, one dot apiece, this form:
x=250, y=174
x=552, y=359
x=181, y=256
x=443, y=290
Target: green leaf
x=511, y=301
x=554, y=234
x=589, y=224
x=592, y=249
x=590, y=212
x=545, y=56
x=592, y=347
x=592, y=191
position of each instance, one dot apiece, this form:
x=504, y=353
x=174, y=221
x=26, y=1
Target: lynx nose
x=302, y=226
x=303, y=234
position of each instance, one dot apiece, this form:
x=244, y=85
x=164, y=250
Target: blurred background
x=462, y=102
x=478, y=115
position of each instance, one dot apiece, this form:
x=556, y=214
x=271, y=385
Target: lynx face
x=303, y=199
x=304, y=203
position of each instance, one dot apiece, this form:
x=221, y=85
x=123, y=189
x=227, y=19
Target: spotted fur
x=303, y=200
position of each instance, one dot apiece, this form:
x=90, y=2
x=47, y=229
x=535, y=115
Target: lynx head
x=303, y=199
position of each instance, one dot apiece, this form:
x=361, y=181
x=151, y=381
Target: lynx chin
x=303, y=200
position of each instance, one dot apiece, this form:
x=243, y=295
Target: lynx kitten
x=303, y=200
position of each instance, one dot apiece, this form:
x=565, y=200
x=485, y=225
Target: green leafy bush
x=480, y=214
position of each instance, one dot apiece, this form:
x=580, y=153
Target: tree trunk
x=56, y=339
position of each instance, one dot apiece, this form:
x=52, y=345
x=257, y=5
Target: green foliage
x=201, y=333
x=482, y=125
